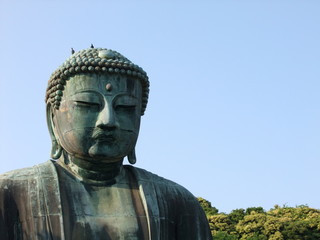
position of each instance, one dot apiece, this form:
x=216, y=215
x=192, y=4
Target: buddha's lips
x=103, y=136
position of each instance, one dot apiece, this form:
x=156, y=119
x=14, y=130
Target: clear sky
x=233, y=113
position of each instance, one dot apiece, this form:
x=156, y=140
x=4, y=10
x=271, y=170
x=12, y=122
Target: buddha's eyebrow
x=86, y=92
x=125, y=94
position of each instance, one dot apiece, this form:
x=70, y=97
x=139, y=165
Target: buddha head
x=95, y=100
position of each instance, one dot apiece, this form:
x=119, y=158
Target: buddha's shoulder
x=22, y=174
x=160, y=183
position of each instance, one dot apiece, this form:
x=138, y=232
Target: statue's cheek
x=77, y=140
x=81, y=119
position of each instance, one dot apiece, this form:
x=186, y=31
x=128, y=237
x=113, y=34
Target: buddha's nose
x=106, y=118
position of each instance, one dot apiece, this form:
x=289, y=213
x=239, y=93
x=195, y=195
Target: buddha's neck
x=89, y=171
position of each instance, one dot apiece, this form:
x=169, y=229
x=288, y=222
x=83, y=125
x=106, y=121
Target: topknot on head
x=95, y=60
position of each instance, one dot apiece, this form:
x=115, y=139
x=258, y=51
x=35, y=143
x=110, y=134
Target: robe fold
x=31, y=207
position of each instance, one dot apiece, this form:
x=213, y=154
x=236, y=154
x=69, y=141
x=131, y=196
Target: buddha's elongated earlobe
x=132, y=157
x=56, y=150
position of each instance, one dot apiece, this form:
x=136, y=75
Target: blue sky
x=233, y=113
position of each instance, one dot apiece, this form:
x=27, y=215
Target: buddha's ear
x=56, y=148
x=132, y=156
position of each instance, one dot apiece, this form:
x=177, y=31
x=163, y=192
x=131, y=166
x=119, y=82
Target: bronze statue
x=94, y=104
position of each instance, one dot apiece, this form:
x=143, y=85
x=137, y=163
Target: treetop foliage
x=254, y=223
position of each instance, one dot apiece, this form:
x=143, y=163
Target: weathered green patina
x=94, y=104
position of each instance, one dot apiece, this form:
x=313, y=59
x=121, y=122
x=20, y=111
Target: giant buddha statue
x=95, y=100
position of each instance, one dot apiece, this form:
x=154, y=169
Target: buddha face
x=99, y=116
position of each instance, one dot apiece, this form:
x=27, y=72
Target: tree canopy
x=254, y=223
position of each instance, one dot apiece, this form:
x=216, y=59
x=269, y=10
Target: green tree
x=236, y=215
x=255, y=209
x=207, y=207
x=252, y=226
x=220, y=235
x=254, y=223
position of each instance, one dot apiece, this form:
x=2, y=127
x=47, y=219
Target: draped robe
x=31, y=207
